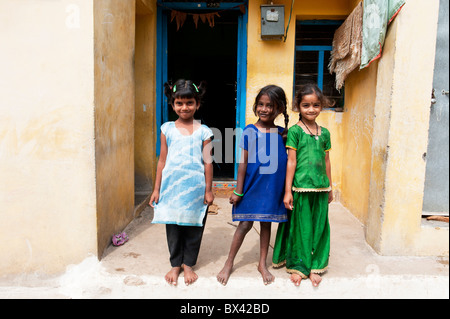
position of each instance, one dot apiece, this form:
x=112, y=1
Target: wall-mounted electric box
x=272, y=22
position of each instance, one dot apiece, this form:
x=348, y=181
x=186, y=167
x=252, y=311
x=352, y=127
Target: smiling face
x=185, y=108
x=310, y=107
x=265, y=109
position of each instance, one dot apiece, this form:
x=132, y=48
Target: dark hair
x=184, y=89
x=307, y=89
x=278, y=98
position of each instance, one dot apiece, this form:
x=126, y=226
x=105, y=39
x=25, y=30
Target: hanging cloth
x=378, y=14
x=346, y=54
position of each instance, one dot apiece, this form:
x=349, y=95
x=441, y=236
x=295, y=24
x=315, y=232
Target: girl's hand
x=154, y=199
x=234, y=199
x=209, y=198
x=288, y=201
x=330, y=196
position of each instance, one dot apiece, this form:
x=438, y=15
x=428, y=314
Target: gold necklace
x=312, y=135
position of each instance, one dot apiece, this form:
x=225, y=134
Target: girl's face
x=185, y=108
x=265, y=109
x=310, y=107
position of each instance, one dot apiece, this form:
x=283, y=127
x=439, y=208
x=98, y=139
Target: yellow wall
x=145, y=74
x=377, y=168
x=67, y=126
x=47, y=159
x=402, y=110
x=356, y=140
x=276, y=66
x=114, y=41
x=71, y=116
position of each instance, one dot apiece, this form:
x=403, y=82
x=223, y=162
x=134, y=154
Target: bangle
x=240, y=195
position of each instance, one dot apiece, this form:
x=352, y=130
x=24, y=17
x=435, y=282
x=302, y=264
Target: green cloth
x=310, y=173
x=378, y=14
x=303, y=242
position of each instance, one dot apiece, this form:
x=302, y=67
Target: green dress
x=303, y=242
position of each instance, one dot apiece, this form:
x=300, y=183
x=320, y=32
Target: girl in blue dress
x=261, y=175
x=183, y=184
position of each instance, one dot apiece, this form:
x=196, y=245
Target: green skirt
x=303, y=242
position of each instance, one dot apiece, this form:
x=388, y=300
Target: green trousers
x=303, y=242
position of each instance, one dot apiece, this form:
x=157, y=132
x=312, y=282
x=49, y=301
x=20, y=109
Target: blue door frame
x=162, y=110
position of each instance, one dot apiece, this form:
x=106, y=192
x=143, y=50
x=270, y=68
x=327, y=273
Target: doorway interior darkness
x=209, y=54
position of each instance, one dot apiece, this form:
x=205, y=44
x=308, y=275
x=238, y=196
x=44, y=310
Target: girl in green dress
x=303, y=243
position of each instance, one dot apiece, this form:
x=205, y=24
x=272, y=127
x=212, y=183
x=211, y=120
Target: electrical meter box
x=272, y=22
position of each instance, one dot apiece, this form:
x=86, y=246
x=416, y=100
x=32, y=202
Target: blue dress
x=182, y=192
x=264, y=179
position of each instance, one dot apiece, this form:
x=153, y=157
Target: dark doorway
x=208, y=54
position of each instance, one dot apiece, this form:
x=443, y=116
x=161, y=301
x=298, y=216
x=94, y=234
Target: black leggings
x=184, y=243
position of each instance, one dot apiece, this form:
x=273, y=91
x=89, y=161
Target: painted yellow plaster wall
x=377, y=168
x=114, y=38
x=64, y=178
x=276, y=65
x=356, y=140
x=47, y=159
x=145, y=108
x=402, y=111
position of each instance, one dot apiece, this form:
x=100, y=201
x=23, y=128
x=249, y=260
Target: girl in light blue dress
x=183, y=185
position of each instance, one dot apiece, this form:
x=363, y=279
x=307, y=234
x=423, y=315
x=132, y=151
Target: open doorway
x=205, y=53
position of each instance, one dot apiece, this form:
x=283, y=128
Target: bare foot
x=189, y=275
x=315, y=279
x=172, y=276
x=268, y=278
x=296, y=279
x=225, y=273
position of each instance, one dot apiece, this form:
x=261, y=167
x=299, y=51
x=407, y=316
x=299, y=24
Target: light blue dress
x=182, y=192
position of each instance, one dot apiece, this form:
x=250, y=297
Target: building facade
x=81, y=104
